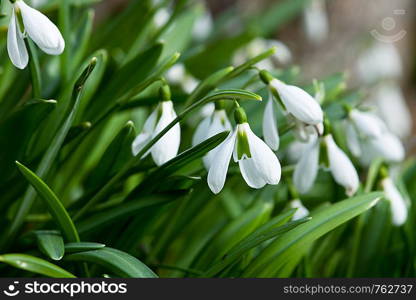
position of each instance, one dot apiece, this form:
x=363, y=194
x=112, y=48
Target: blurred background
x=371, y=41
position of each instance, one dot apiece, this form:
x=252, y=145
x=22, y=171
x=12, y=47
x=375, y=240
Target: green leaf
x=35, y=265
x=82, y=246
x=178, y=35
x=233, y=233
x=121, y=212
x=270, y=230
x=208, y=84
x=55, y=207
x=114, y=157
x=50, y=155
x=292, y=244
x=121, y=263
x=26, y=121
x=175, y=164
x=122, y=80
x=50, y=242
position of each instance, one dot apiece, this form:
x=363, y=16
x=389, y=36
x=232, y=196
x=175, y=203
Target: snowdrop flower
x=381, y=61
x=392, y=108
x=296, y=101
x=340, y=166
x=282, y=55
x=161, y=17
x=301, y=211
x=397, y=202
x=270, y=130
x=369, y=138
x=203, y=27
x=315, y=21
x=178, y=75
x=216, y=123
x=39, y=29
x=167, y=147
x=258, y=164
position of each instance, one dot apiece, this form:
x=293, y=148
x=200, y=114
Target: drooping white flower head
x=203, y=27
x=380, y=61
x=258, y=164
x=177, y=75
x=210, y=126
x=39, y=29
x=270, y=130
x=161, y=17
x=298, y=103
x=397, y=202
x=392, y=108
x=307, y=167
x=315, y=21
x=301, y=211
x=368, y=138
x=282, y=56
x=341, y=167
x=167, y=147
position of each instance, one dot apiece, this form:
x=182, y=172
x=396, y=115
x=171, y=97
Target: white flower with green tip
x=37, y=27
x=258, y=164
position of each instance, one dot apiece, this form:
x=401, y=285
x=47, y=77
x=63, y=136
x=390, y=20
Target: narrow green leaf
x=233, y=233
x=50, y=242
x=253, y=240
x=120, y=212
x=55, y=207
x=290, y=244
x=49, y=156
x=175, y=164
x=35, y=265
x=208, y=84
x=82, y=246
x=119, y=262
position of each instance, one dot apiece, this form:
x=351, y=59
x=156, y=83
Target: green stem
x=225, y=95
x=34, y=70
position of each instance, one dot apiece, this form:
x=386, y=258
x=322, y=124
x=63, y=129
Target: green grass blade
x=82, y=246
x=283, y=249
x=50, y=242
x=35, y=265
x=55, y=207
x=119, y=262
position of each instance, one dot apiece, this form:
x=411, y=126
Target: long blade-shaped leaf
x=35, y=265
x=55, y=207
x=117, y=261
x=283, y=249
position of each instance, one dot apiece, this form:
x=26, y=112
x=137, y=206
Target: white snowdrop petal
x=341, y=167
x=299, y=103
x=219, y=123
x=167, y=147
x=397, y=202
x=251, y=174
x=393, y=109
x=219, y=166
x=353, y=141
x=264, y=160
x=201, y=131
x=389, y=147
x=301, y=211
x=307, y=167
x=16, y=47
x=139, y=142
x=367, y=124
x=315, y=21
x=270, y=130
x=41, y=30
